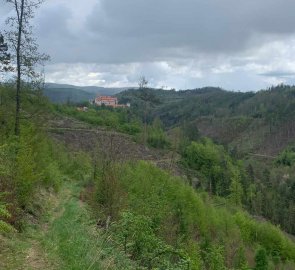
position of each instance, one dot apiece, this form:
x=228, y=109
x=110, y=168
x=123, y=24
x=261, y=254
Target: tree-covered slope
x=260, y=122
x=162, y=222
x=64, y=93
x=67, y=95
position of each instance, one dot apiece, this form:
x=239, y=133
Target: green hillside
x=78, y=209
x=64, y=93
x=256, y=130
x=67, y=95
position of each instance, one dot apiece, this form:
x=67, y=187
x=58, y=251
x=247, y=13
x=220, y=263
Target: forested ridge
x=255, y=131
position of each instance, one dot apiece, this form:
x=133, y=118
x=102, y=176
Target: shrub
x=4, y=214
x=261, y=260
x=156, y=135
x=287, y=157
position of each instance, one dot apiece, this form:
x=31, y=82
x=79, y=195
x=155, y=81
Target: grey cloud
x=178, y=43
x=138, y=30
x=278, y=74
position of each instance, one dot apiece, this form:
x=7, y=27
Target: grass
x=67, y=238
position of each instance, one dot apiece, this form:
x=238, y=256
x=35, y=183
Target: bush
x=156, y=135
x=4, y=215
x=261, y=260
x=287, y=157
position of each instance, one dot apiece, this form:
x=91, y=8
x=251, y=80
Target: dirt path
x=36, y=258
x=26, y=251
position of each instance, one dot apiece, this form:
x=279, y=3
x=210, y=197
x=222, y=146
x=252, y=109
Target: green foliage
x=156, y=219
x=156, y=135
x=160, y=212
x=73, y=238
x=119, y=119
x=26, y=176
x=4, y=215
x=247, y=125
x=215, y=258
x=30, y=161
x=270, y=193
x=175, y=107
x=137, y=234
x=190, y=131
x=287, y=157
x=265, y=234
x=109, y=195
x=67, y=95
x=222, y=176
x=236, y=189
x=261, y=260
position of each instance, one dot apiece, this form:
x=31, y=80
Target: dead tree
x=143, y=83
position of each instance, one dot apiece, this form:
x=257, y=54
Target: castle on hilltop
x=109, y=102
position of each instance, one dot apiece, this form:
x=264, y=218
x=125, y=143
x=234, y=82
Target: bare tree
x=143, y=83
x=4, y=61
x=25, y=55
x=4, y=56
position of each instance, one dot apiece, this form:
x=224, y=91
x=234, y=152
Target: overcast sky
x=235, y=44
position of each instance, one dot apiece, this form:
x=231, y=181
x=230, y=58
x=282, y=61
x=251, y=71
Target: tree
x=261, y=260
x=4, y=56
x=236, y=190
x=143, y=83
x=191, y=131
x=156, y=135
x=24, y=48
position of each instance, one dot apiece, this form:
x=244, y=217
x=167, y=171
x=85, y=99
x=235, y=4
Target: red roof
x=107, y=98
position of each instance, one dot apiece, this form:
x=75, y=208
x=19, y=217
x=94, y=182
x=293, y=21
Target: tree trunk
x=145, y=124
x=18, y=59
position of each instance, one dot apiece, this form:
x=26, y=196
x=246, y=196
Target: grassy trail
x=67, y=239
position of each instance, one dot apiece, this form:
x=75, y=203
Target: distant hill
x=62, y=93
x=261, y=122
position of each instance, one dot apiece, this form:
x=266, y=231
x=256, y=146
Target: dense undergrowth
x=33, y=167
x=73, y=238
x=263, y=188
x=31, y=161
x=162, y=223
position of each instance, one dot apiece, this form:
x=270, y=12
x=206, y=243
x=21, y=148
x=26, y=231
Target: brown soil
x=35, y=259
x=110, y=144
